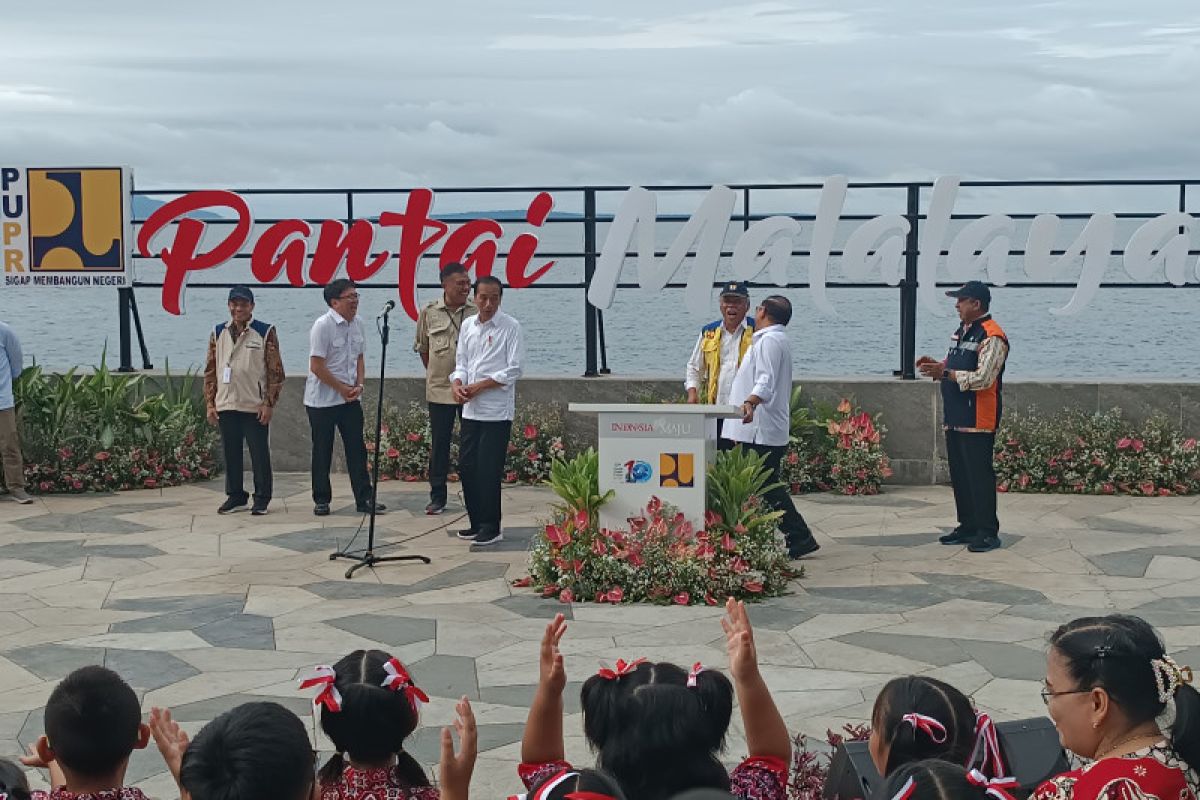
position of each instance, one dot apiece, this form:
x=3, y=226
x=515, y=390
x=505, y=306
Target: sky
x=452, y=93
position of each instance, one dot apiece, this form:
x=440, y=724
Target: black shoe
x=485, y=538
x=957, y=536
x=231, y=505
x=259, y=508
x=365, y=508
x=467, y=534
x=435, y=507
x=802, y=548
x=321, y=509
x=984, y=544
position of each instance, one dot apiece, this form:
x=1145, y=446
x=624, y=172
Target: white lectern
x=655, y=450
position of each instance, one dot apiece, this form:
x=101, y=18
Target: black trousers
x=243, y=426
x=346, y=419
x=723, y=444
x=973, y=477
x=794, y=528
x=441, y=434
x=481, y=461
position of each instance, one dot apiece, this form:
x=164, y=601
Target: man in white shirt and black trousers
x=763, y=388
x=491, y=350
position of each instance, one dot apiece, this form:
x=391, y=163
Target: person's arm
x=361, y=370
x=210, y=380
x=421, y=341
x=459, y=376
x=543, y=738
x=275, y=374
x=992, y=354
x=514, y=357
x=695, y=365
x=16, y=358
x=766, y=733
x=171, y=740
x=455, y=769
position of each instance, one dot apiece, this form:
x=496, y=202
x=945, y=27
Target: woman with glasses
x=1122, y=704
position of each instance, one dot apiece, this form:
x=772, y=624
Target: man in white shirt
x=718, y=352
x=491, y=350
x=333, y=394
x=763, y=388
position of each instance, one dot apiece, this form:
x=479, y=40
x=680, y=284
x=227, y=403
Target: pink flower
x=1052, y=481
x=104, y=456
x=792, y=458
x=370, y=447
x=682, y=599
x=393, y=453
x=566, y=596
x=44, y=486
x=1147, y=488
x=413, y=437
x=739, y=565
x=1189, y=444
x=150, y=483
x=616, y=594
x=709, y=600
x=556, y=535
x=654, y=506
x=727, y=543
x=711, y=518
x=752, y=586
x=1108, y=488
x=1138, y=445
x=530, y=432
x=581, y=520
x=598, y=547
x=1124, y=443
x=1164, y=492
x=510, y=477
x=523, y=582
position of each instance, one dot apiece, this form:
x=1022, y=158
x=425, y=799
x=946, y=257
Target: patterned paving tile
x=312, y=540
x=395, y=631
x=55, y=554
x=1133, y=563
x=79, y=523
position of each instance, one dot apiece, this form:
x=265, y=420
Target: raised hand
x=455, y=769
x=551, y=672
x=170, y=738
x=739, y=640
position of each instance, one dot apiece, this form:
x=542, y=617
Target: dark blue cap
x=975, y=290
x=740, y=288
x=241, y=293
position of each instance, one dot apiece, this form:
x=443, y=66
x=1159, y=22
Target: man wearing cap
x=243, y=376
x=436, y=341
x=719, y=352
x=972, y=379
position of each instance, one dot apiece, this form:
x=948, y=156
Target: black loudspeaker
x=1031, y=750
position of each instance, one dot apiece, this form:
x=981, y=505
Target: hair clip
x=997, y=787
x=622, y=668
x=932, y=728
x=987, y=746
x=906, y=791
x=1102, y=651
x=398, y=680
x=324, y=676
x=697, y=668
x=1169, y=676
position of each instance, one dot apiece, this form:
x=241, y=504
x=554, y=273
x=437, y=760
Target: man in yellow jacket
x=719, y=351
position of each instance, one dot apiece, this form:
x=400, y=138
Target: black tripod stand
x=367, y=557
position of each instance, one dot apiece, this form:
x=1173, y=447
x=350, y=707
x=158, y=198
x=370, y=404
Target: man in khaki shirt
x=437, y=342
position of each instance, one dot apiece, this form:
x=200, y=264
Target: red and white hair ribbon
x=934, y=729
x=550, y=785
x=906, y=791
x=398, y=680
x=987, y=746
x=623, y=668
x=323, y=676
x=998, y=788
x=697, y=668
x=581, y=796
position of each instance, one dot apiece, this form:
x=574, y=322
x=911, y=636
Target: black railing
x=596, y=358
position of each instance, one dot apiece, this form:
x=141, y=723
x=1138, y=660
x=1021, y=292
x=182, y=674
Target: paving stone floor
x=202, y=612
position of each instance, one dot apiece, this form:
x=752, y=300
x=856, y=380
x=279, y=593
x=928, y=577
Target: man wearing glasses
x=719, y=352
x=333, y=394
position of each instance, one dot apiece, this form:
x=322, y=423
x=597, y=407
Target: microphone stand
x=367, y=558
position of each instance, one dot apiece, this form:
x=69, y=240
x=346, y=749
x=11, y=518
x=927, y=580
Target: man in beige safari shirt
x=437, y=342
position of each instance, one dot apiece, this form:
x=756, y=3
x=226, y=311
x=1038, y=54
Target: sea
x=1122, y=334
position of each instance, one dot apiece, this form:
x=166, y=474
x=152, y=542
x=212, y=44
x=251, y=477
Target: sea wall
x=911, y=410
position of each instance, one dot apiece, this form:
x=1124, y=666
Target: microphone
x=387, y=308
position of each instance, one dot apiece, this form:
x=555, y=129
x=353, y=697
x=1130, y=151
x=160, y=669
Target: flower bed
x=810, y=769
x=537, y=439
x=1094, y=453
x=839, y=450
x=104, y=432
x=661, y=558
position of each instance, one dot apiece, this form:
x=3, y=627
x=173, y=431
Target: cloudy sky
x=395, y=92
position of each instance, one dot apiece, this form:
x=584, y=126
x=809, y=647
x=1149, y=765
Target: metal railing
x=595, y=350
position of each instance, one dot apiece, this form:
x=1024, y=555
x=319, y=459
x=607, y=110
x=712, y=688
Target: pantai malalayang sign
x=66, y=226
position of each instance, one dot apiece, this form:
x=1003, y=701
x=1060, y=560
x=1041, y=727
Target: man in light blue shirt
x=11, y=362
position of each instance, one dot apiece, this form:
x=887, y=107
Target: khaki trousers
x=10, y=450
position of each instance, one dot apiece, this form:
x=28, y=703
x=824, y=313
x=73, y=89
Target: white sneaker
x=19, y=495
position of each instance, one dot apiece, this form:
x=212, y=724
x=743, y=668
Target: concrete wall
x=911, y=409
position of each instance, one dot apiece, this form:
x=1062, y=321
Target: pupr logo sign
x=65, y=226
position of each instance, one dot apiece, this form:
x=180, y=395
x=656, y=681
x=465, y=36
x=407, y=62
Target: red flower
x=102, y=456
x=727, y=543
x=1138, y=445
x=413, y=437
x=1108, y=488
x=739, y=565
x=557, y=535
x=598, y=547
x=530, y=432
x=1147, y=488
x=370, y=447
x=1002, y=487
x=792, y=458
x=549, y=591
x=682, y=599
x=532, y=456
x=1164, y=492
x=709, y=600
x=1189, y=444
x=581, y=520
x=752, y=586
x=512, y=448
x=711, y=518
x=523, y=582
x=654, y=506
x=566, y=596
x=1052, y=481
x=615, y=594
x=1124, y=443
x=150, y=483
x=44, y=486
x=510, y=477
x=393, y=453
